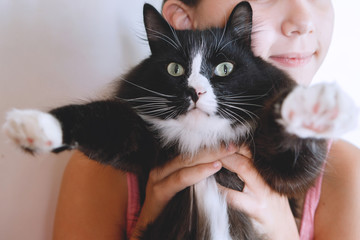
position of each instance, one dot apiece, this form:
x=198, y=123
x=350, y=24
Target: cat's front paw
x=319, y=111
x=33, y=130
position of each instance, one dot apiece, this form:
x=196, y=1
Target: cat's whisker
x=249, y=113
x=221, y=39
x=163, y=37
x=222, y=54
x=216, y=40
x=243, y=29
x=175, y=35
x=244, y=122
x=148, y=102
x=234, y=40
x=149, y=90
x=243, y=95
x=167, y=41
x=160, y=35
x=224, y=14
x=243, y=104
x=235, y=117
x=244, y=98
x=173, y=114
x=160, y=115
x=151, y=108
x=156, y=113
x=225, y=115
x=148, y=99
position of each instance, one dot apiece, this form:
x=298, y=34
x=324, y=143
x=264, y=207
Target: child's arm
x=92, y=202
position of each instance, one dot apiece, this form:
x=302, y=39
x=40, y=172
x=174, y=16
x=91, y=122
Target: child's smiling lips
x=292, y=59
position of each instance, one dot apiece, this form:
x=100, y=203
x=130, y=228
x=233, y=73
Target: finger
x=238, y=200
x=185, y=177
x=245, y=151
x=245, y=170
x=204, y=156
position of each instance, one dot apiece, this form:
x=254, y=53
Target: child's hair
x=188, y=2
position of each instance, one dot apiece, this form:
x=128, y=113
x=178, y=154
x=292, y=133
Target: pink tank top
x=310, y=205
x=133, y=208
x=307, y=222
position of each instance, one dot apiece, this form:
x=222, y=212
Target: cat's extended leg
x=107, y=131
x=290, y=143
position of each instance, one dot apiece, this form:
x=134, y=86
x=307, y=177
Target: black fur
x=112, y=132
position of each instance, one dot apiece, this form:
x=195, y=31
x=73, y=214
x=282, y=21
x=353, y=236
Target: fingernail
x=216, y=164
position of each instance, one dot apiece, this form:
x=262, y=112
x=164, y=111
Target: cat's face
x=203, y=87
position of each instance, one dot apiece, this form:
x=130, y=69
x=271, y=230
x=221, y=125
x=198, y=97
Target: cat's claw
x=319, y=111
x=33, y=130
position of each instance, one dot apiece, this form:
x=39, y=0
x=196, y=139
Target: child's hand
x=164, y=182
x=269, y=210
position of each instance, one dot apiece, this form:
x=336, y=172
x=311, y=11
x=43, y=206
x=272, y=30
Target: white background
x=54, y=52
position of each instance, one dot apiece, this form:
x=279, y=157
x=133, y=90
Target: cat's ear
x=158, y=30
x=240, y=22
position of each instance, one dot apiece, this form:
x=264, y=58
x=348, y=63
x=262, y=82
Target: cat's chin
x=196, y=112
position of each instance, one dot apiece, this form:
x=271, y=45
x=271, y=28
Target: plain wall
x=54, y=52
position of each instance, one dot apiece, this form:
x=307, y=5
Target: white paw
x=319, y=111
x=33, y=130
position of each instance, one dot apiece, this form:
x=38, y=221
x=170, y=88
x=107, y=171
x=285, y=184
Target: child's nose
x=298, y=20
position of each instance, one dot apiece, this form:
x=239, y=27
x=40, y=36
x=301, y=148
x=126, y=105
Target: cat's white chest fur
x=196, y=130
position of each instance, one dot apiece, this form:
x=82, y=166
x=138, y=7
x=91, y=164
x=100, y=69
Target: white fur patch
x=196, y=80
x=319, y=111
x=197, y=130
x=207, y=99
x=213, y=205
x=34, y=130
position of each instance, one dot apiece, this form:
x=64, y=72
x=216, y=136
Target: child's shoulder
x=344, y=156
x=343, y=163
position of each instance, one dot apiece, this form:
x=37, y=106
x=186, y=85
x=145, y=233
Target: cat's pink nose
x=195, y=94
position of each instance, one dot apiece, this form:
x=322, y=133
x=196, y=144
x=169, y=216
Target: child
x=294, y=35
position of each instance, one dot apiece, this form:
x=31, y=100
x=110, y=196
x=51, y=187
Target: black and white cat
x=199, y=89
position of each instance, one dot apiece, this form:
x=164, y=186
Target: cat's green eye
x=175, y=69
x=224, y=69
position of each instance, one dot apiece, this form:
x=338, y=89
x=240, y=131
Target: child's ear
x=177, y=14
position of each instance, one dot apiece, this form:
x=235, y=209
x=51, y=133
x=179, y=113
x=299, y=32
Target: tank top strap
x=133, y=203
x=311, y=203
